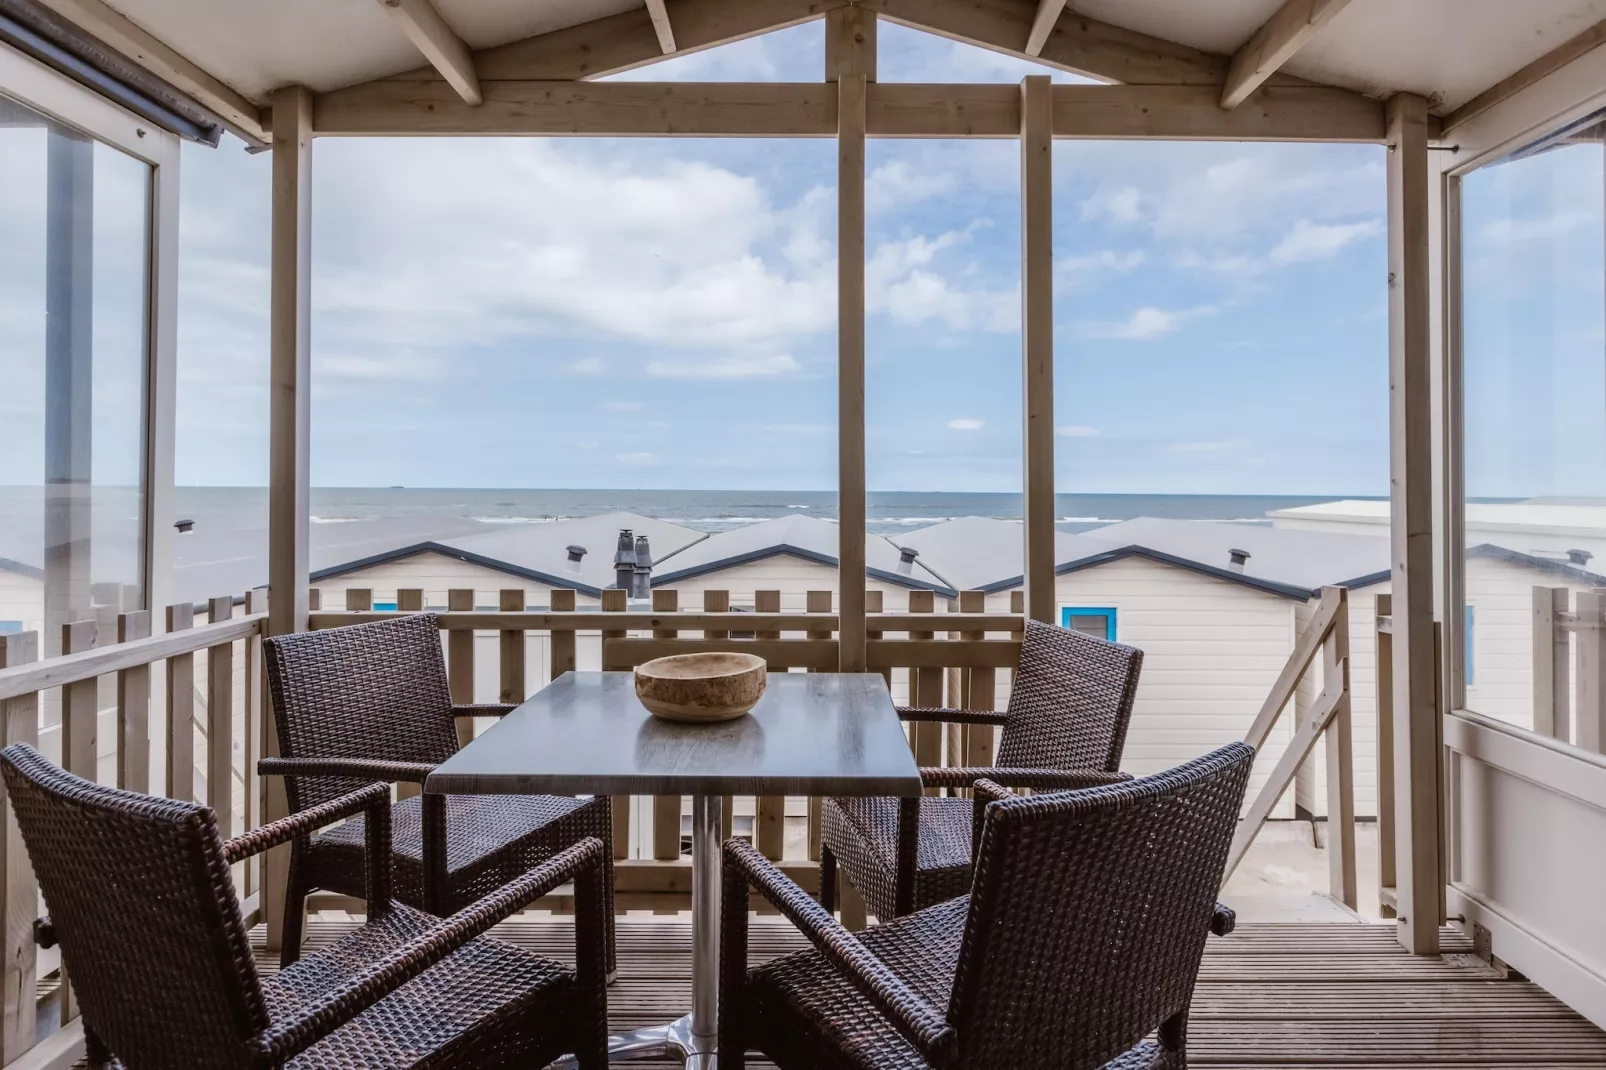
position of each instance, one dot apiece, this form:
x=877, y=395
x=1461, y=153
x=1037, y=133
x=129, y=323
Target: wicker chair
x=1082, y=935
x=1065, y=728
x=371, y=702
x=143, y=906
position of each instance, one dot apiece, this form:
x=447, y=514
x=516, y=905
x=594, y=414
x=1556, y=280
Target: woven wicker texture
x=1069, y=708
x=1082, y=937
x=144, y=908
x=372, y=702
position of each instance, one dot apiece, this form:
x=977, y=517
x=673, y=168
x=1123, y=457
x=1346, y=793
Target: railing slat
x=410, y=600
x=220, y=721
x=512, y=648
x=1590, y=637
x=1552, y=663
x=19, y=723
x=181, y=710
x=818, y=602
x=80, y=704
x=1386, y=861
x=666, y=809
x=769, y=816
x=255, y=724
x=925, y=689
x=460, y=663
x=713, y=602
x=688, y=621
x=616, y=602
x=980, y=693
x=1340, y=755
x=134, y=708
x=561, y=646
x=100, y=660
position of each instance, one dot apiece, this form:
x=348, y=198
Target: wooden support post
x=290, y=354
x=1552, y=664
x=1387, y=868
x=220, y=721
x=666, y=809
x=134, y=709
x=1591, y=630
x=617, y=602
x=852, y=506
x=460, y=660
x=1037, y=340
x=562, y=645
x=769, y=821
x=181, y=710
x=1340, y=755
x=19, y=985
x=1417, y=730
x=80, y=706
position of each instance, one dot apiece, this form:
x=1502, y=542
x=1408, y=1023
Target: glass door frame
x=32, y=83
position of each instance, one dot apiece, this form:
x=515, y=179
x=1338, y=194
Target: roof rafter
x=1048, y=13
x=446, y=52
x=117, y=32
x=1274, y=44
x=660, y=24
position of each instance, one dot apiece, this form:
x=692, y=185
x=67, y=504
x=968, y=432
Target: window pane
x=1534, y=419
x=74, y=250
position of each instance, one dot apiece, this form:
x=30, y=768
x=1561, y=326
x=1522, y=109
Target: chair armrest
x=922, y=1024
x=375, y=799
x=1224, y=920
x=355, y=768
x=949, y=715
x=1036, y=779
x=483, y=709
x=306, y=1025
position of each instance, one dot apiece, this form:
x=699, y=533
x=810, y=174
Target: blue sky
x=661, y=313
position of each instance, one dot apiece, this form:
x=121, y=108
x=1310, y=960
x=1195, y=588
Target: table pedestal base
x=676, y=1039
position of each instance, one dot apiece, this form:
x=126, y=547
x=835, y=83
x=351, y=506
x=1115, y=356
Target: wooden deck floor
x=1270, y=995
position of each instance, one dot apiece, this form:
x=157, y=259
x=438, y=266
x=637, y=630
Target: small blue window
x=10, y=627
x=1099, y=622
x=385, y=607
x=1469, y=646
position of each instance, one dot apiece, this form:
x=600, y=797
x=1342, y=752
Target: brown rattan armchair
x=1082, y=936
x=143, y=906
x=1065, y=728
x=371, y=702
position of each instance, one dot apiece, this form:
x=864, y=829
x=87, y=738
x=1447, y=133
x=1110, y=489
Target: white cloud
x=637, y=460
x=622, y=406
x=1073, y=271
x=1320, y=241
x=352, y=366
x=901, y=279
x=896, y=185
x=1077, y=431
x=1146, y=323
x=1122, y=204
x=1216, y=446
x=724, y=368
x=588, y=366
x=965, y=423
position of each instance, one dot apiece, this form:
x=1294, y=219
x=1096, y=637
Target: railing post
x=1591, y=669
x=181, y=710
x=1386, y=864
x=1552, y=649
x=666, y=808
x=981, y=693
x=1340, y=754
x=256, y=716
x=409, y=600
x=719, y=602
x=769, y=818
x=511, y=600
x=80, y=707
x=561, y=649
x=820, y=602
x=616, y=601
x=19, y=723
x=460, y=660
x=925, y=689
x=134, y=709
x=359, y=599
x=220, y=721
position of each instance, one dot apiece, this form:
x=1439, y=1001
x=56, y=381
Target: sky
x=660, y=313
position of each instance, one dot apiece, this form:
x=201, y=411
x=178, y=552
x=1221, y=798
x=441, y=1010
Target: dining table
x=587, y=733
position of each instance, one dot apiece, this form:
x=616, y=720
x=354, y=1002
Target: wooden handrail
x=646, y=620
x=73, y=668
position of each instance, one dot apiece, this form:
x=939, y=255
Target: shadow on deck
x=1270, y=995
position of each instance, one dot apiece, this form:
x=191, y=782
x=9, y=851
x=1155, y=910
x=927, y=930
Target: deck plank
x=1270, y=996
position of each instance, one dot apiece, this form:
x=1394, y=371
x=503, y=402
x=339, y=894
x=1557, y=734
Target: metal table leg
x=693, y=1037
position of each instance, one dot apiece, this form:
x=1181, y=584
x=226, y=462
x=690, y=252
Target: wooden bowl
x=701, y=687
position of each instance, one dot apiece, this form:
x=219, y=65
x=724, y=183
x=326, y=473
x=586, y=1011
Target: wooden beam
x=809, y=109
x=289, y=359
x=850, y=43
x=1048, y=13
x=1274, y=44
x=850, y=417
x=446, y=52
x=1416, y=714
x=660, y=24
x=1037, y=340
x=117, y=32
x=1548, y=63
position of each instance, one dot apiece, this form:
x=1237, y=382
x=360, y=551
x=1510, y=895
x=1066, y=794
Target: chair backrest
x=1070, y=702
x=145, y=913
x=375, y=691
x=1089, y=913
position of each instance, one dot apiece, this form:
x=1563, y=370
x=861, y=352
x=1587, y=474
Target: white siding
x=793, y=576
x=22, y=598
x=435, y=574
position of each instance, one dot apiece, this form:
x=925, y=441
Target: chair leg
x=1173, y=1038
x=827, y=879
x=608, y=918
x=295, y=914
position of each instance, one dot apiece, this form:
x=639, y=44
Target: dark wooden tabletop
x=587, y=734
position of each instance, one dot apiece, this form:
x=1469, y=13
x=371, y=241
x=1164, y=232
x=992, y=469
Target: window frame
x=1109, y=613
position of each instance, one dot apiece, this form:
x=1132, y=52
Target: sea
x=716, y=510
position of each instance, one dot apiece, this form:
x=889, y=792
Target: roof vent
x=906, y=559
x=185, y=527
x=624, y=561
x=575, y=554
x=1579, y=557
x=1236, y=559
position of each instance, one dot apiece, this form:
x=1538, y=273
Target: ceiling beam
x=1550, y=62
x=660, y=24
x=1048, y=13
x=118, y=33
x=1274, y=44
x=446, y=52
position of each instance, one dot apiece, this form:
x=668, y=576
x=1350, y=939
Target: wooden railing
x=191, y=731
x=928, y=657
x=1327, y=635
x=1569, y=666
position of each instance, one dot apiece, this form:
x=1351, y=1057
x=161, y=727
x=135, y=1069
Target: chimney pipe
x=643, y=577
x=906, y=559
x=1236, y=559
x=624, y=562
x=1579, y=557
